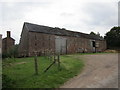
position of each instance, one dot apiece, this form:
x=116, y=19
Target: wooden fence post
x=59, y=62
x=36, y=65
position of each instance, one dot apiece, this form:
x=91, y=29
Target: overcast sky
x=76, y=15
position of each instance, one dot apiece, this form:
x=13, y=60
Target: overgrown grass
x=21, y=71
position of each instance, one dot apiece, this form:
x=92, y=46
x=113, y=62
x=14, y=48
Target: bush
x=13, y=52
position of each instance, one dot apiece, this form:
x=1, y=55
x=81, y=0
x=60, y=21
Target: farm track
x=100, y=71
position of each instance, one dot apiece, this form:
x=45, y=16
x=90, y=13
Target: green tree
x=13, y=52
x=92, y=33
x=113, y=37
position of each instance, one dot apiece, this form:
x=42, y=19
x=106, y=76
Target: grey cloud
x=13, y=14
x=13, y=11
x=100, y=12
x=65, y=14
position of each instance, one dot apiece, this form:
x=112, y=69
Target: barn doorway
x=93, y=46
x=93, y=43
x=60, y=45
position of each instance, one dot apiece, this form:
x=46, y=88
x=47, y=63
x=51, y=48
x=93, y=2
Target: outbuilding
x=39, y=38
x=7, y=43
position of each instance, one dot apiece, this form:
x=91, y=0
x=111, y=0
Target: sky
x=76, y=15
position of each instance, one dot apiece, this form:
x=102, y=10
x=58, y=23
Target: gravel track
x=100, y=71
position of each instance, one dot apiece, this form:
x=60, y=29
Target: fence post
x=58, y=61
x=36, y=65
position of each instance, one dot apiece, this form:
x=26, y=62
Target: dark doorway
x=93, y=43
x=94, y=46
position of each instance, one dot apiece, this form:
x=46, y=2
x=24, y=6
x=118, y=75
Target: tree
x=113, y=37
x=98, y=34
x=13, y=52
x=92, y=33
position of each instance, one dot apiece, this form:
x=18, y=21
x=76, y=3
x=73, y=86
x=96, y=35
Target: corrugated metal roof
x=57, y=31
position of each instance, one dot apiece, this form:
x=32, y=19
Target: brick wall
x=74, y=44
x=23, y=46
x=41, y=42
x=7, y=44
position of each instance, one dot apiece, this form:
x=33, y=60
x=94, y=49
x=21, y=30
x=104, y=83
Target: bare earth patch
x=12, y=64
x=20, y=63
x=100, y=71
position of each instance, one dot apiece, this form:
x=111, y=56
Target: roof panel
x=58, y=31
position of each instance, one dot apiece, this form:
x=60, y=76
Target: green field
x=21, y=74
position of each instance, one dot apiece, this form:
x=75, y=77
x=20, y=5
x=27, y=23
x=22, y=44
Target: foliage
x=97, y=34
x=113, y=37
x=7, y=82
x=24, y=74
x=92, y=33
x=13, y=52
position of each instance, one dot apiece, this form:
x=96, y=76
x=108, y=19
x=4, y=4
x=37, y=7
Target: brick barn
x=7, y=43
x=40, y=38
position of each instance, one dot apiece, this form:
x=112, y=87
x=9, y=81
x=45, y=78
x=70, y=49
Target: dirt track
x=100, y=71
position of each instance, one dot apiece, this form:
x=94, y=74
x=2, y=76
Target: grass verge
x=21, y=71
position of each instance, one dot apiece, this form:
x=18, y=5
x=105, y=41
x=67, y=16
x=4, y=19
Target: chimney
x=8, y=33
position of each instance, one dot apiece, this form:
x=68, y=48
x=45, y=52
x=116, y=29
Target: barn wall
x=41, y=43
x=23, y=45
x=75, y=45
x=102, y=46
x=79, y=45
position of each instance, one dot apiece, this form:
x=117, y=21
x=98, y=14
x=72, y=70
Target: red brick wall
x=23, y=46
x=41, y=42
x=74, y=44
x=7, y=44
x=102, y=46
